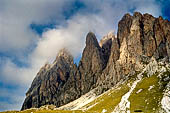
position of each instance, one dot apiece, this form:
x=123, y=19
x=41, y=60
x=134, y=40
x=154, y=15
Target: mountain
x=127, y=67
x=145, y=91
x=54, y=83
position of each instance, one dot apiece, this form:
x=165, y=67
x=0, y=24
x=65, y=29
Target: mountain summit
x=141, y=42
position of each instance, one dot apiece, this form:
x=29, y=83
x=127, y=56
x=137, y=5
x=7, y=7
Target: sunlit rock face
x=139, y=38
x=142, y=36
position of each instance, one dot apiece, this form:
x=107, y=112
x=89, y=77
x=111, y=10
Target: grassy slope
x=108, y=100
x=146, y=100
x=44, y=111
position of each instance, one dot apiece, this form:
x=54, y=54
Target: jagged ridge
x=139, y=38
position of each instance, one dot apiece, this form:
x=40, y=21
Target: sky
x=33, y=31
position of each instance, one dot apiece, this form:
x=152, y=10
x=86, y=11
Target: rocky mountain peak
x=108, y=38
x=137, y=15
x=140, y=37
x=106, y=44
x=92, y=54
x=124, y=27
x=49, y=80
x=65, y=55
x=91, y=64
x=91, y=40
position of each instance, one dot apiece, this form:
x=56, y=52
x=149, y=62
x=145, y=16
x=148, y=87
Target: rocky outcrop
x=106, y=44
x=63, y=81
x=139, y=38
x=54, y=84
x=145, y=37
x=103, y=64
x=109, y=75
x=92, y=63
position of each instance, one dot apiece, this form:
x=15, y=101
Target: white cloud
x=12, y=99
x=15, y=35
x=12, y=74
x=17, y=15
x=144, y=6
x=71, y=37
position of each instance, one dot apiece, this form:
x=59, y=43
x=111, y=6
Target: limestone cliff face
x=146, y=38
x=139, y=38
x=103, y=64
